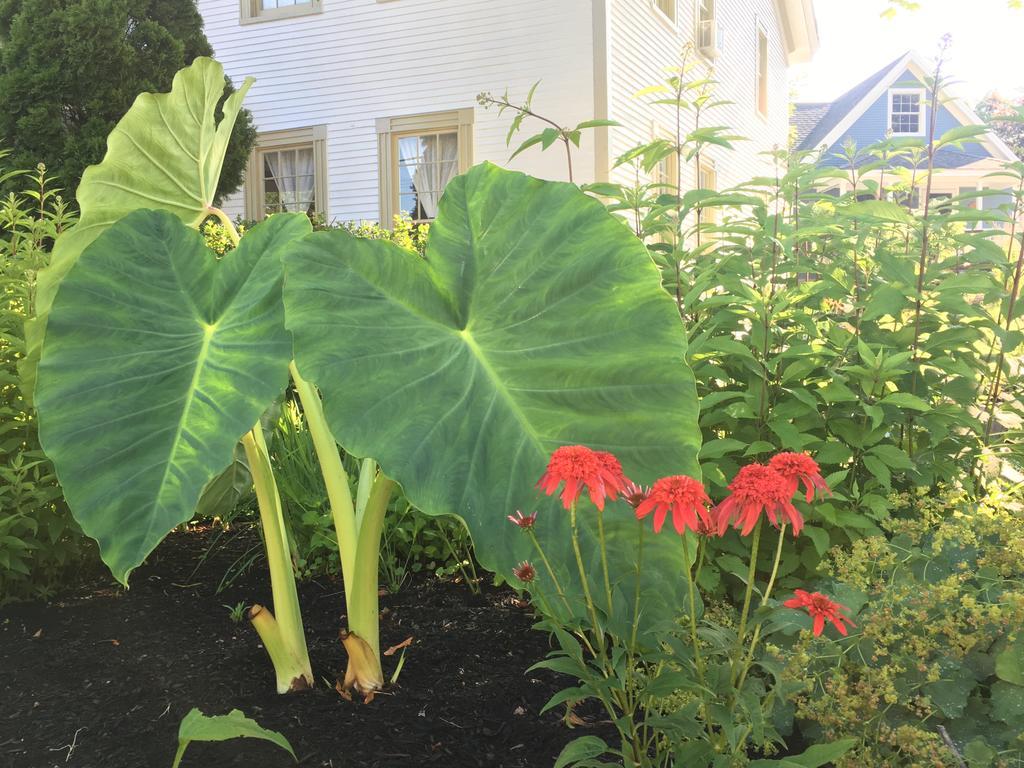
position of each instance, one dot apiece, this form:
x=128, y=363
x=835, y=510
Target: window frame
x=391, y=129
x=709, y=51
x=661, y=7
x=249, y=11
x=314, y=136
x=708, y=166
x=922, y=110
x=762, y=81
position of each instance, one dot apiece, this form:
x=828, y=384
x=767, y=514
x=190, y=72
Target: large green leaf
x=159, y=357
x=166, y=152
x=535, y=320
x=196, y=726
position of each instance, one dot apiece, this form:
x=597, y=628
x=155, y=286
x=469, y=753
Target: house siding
x=360, y=60
x=872, y=125
x=643, y=43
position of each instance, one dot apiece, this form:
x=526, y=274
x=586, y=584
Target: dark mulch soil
x=113, y=672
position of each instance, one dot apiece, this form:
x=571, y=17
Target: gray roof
x=814, y=121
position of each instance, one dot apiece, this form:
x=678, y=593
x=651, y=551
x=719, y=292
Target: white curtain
x=439, y=164
x=293, y=171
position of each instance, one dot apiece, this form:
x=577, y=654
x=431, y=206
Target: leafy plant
x=479, y=382
x=39, y=541
x=234, y=725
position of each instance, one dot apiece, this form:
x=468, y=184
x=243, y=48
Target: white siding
x=364, y=59
x=643, y=43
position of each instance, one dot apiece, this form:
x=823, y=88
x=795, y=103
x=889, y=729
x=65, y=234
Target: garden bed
x=114, y=671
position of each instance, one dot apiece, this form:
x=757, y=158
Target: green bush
x=940, y=642
x=39, y=540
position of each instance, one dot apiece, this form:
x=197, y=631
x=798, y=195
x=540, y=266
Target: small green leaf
x=813, y=757
x=198, y=727
x=1010, y=662
x=907, y=401
x=583, y=748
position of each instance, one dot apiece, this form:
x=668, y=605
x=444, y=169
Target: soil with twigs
x=100, y=677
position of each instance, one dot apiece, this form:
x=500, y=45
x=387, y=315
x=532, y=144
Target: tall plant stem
x=604, y=560
x=592, y=610
x=692, y=590
x=751, y=573
x=335, y=477
x=764, y=601
x=298, y=673
x=636, y=591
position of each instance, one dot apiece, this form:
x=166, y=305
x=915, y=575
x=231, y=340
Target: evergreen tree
x=70, y=69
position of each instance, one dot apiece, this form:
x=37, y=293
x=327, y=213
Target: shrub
x=39, y=541
x=940, y=643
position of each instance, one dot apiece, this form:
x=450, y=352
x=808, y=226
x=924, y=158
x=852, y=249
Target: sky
x=987, y=52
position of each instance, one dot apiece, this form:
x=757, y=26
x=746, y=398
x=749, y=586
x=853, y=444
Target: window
x=906, y=111
x=761, y=73
x=419, y=155
x=288, y=172
x=252, y=11
x=667, y=7
x=707, y=29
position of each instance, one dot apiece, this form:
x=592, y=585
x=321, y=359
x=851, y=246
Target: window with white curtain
x=287, y=173
x=419, y=155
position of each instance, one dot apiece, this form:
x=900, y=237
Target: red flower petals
x=578, y=467
x=799, y=468
x=523, y=521
x=684, y=497
x=821, y=609
x=525, y=572
x=757, y=488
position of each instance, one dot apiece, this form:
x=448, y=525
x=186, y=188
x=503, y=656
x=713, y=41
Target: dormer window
x=906, y=111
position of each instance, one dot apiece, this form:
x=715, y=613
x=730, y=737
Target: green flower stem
x=550, y=570
x=335, y=478
x=282, y=578
x=604, y=560
x=226, y=222
x=636, y=593
x=751, y=573
x=764, y=601
x=691, y=588
x=598, y=632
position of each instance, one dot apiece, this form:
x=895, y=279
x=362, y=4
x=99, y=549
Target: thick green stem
x=364, y=608
x=335, y=478
x=289, y=669
x=282, y=578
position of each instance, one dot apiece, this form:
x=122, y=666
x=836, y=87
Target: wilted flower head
x=525, y=572
x=821, y=609
x=799, y=467
x=578, y=467
x=684, y=497
x=634, y=494
x=756, y=489
x=523, y=521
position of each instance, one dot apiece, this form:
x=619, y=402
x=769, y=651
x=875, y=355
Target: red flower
x=577, y=466
x=797, y=468
x=525, y=572
x=755, y=489
x=684, y=496
x=821, y=608
x=523, y=521
x=635, y=494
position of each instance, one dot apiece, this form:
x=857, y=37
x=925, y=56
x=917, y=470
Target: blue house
x=894, y=102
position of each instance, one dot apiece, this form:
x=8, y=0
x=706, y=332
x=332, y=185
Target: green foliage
x=1006, y=117
x=940, y=641
x=70, y=69
x=39, y=541
x=196, y=726
x=215, y=356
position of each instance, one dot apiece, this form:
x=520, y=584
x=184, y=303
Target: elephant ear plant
x=534, y=320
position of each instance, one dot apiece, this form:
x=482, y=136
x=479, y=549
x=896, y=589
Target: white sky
x=987, y=53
